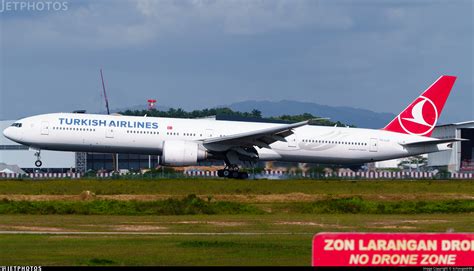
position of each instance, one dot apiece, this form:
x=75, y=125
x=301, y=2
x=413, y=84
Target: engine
x=182, y=153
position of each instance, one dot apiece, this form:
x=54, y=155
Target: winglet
x=420, y=117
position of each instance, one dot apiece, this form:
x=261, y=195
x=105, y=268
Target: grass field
x=231, y=222
x=290, y=244
x=262, y=187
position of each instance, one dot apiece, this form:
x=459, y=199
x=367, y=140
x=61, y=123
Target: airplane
x=181, y=142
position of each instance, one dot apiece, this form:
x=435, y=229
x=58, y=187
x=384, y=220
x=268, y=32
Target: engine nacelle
x=182, y=153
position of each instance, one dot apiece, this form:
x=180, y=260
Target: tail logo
x=423, y=118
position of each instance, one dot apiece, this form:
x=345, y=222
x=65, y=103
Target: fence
x=270, y=174
x=368, y=175
x=40, y=175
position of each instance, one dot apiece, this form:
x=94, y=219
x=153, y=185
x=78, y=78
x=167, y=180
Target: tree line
x=224, y=111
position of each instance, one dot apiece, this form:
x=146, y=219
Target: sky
x=371, y=54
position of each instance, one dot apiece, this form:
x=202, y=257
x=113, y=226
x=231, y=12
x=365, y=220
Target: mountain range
x=359, y=117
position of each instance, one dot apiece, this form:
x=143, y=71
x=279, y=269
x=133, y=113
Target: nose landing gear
x=38, y=162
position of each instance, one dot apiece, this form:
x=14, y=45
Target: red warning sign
x=393, y=249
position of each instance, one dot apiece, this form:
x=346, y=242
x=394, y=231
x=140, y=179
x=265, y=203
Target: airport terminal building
x=461, y=157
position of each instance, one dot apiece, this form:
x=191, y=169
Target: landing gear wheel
x=223, y=173
x=235, y=175
x=232, y=172
x=38, y=163
x=243, y=175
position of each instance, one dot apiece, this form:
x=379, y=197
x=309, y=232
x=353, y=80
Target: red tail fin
x=420, y=117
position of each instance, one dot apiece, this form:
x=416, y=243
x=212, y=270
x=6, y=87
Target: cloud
x=243, y=16
x=334, y=52
x=130, y=23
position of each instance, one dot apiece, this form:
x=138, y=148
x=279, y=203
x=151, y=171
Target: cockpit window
x=16, y=124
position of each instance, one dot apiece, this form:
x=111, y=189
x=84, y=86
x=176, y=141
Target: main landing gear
x=233, y=172
x=38, y=162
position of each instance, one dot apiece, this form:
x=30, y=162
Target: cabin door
x=109, y=132
x=45, y=128
x=291, y=140
x=373, y=145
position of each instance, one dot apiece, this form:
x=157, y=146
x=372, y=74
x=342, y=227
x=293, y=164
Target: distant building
x=460, y=157
x=387, y=164
x=104, y=161
x=4, y=168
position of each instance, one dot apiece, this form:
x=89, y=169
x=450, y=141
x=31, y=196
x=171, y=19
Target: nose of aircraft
x=15, y=132
x=12, y=134
x=7, y=132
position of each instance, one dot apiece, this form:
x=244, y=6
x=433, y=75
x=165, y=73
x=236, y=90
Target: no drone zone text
x=392, y=249
x=394, y=245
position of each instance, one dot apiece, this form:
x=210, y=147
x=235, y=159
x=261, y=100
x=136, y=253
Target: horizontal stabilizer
x=433, y=142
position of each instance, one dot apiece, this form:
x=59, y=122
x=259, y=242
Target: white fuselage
x=146, y=135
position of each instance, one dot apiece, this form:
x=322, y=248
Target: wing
x=433, y=142
x=260, y=138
